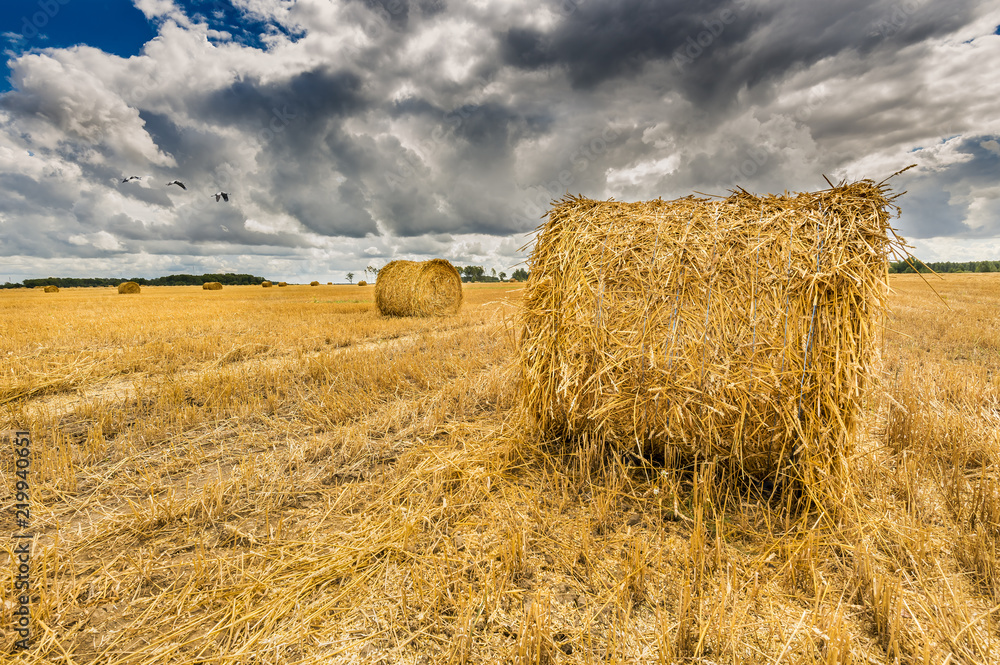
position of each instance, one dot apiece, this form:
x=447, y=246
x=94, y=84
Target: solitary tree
x=494, y=271
x=520, y=274
x=350, y=277
x=503, y=276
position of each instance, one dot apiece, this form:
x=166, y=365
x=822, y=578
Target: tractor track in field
x=121, y=389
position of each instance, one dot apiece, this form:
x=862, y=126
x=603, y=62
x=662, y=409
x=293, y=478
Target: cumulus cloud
x=355, y=131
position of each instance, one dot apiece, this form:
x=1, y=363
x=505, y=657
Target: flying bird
x=131, y=178
x=178, y=183
x=221, y=195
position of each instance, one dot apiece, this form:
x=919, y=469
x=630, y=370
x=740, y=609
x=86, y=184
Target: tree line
x=168, y=280
x=913, y=264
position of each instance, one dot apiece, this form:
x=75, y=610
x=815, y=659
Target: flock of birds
x=218, y=195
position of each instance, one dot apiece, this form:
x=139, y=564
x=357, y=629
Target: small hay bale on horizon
x=427, y=288
x=329, y=283
x=282, y=283
x=128, y=287
x=51, y=288
x=314, y=283
x=362, y=282
x=743, y=329
x=212, y=286
x=266, y=284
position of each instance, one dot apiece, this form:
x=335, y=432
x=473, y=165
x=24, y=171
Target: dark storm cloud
x=310, y=97
x=719, y=46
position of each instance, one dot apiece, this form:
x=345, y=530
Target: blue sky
x=114, y=26
x=353, y=132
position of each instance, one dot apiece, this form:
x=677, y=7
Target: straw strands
x=744, y=329
x=212, y=286
x=128, y=287
x=429, y=288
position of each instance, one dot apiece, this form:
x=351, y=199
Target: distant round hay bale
x=212, y=286
x=313, y=283
x=128, y=287
x=51, y=288
x=408, y=288
x=282, y=283
x=512, y=280
x=266, y=285
x=329, y=283
x=362, y=283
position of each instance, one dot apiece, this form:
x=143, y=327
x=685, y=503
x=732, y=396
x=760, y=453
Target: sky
x=352, y=133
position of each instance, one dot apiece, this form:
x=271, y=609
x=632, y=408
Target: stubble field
x=284, y=476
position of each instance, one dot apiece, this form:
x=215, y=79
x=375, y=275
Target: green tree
x=520, y=275
x=350, y=277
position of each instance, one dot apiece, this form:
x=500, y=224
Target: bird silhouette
x=178, y=183
x=221, y=195
x=131, y=178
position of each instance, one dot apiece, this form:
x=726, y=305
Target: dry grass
x=369, y=496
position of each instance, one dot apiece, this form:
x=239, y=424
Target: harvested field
x=286, y=477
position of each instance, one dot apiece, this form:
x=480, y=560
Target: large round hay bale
x=329, y=283
x=128, y=287
x=314, y=283
x=282, y=283
x=362, y=283
x=266, y=284
x=212, y=286
x=428, y=288
x=51, y=288
x=743, y=329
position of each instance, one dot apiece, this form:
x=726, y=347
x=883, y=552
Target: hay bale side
x=266, y=284
x=51, y=288
x=282, y=283
x=329, y=283
x=212, y=286
x=744, y=329
x=362, y=283
x=128, y=287
x=313, y=283
x=428, y=288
